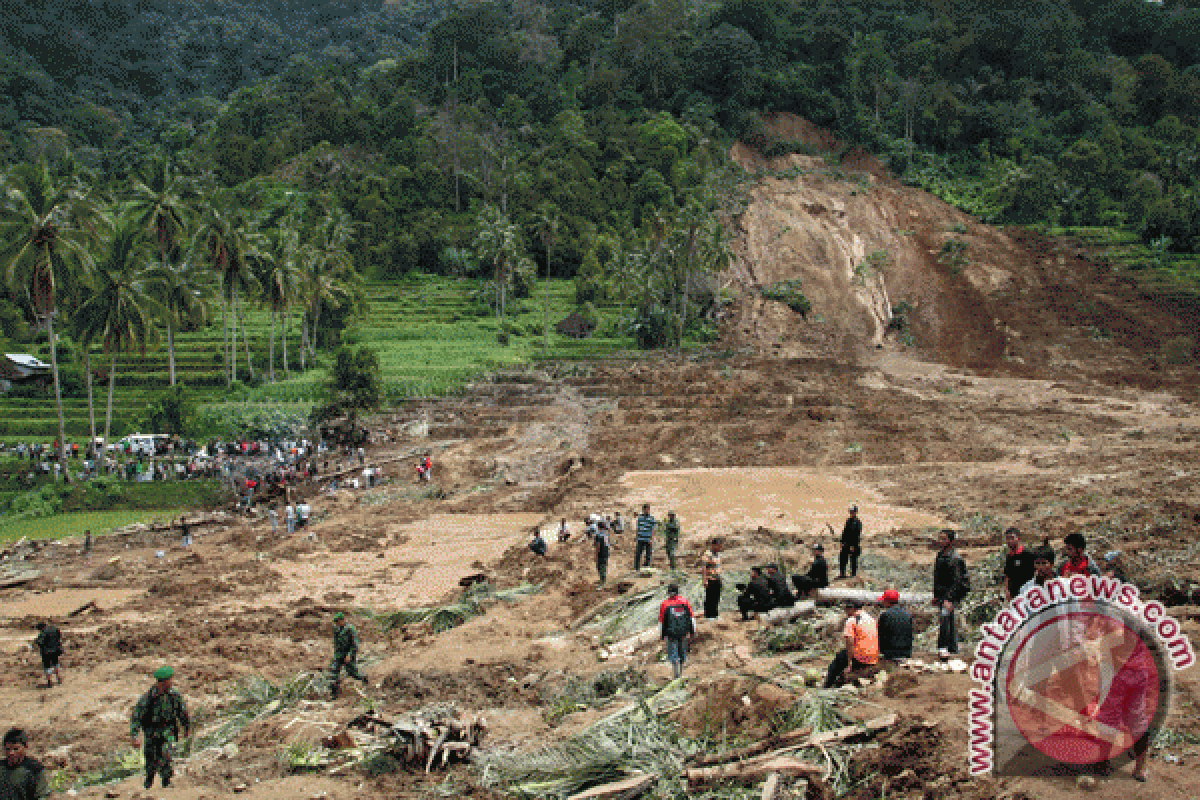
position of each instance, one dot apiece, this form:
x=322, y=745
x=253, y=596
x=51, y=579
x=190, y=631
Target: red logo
x=1083, y=686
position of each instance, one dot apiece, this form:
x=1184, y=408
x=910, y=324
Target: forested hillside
x=509, y=141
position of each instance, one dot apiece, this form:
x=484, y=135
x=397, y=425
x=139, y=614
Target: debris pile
x=437, y=734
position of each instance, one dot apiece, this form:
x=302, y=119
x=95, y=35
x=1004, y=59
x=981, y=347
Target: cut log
x=779, y=616
x=90, y=605
x=849, y=731
x=830, y=596
x=618, y=790
x=752, y=771
x=14, y=578
x=629, y=646
x=796, y=740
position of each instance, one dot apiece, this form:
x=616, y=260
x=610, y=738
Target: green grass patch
x=67, y=525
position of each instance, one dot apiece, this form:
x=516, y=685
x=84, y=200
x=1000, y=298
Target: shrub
x=1179, y=350
x=789, y=293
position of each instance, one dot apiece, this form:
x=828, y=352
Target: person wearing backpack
x=49, y=645
x=678, y=622
x=603, y=550
x=951, y=583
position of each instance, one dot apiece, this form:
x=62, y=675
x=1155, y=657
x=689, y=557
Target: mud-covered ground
x=1042, y=402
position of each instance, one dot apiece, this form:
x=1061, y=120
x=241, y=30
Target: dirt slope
x=1011, y=303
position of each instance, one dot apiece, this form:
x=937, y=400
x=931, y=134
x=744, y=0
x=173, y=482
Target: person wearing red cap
x=895, y=628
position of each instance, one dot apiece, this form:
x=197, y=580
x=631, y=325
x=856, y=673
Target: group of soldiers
x=159, y=720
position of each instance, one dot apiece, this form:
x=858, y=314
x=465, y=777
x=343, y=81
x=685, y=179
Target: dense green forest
x=276, y=153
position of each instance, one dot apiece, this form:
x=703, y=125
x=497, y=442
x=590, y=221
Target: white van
x=141, y=443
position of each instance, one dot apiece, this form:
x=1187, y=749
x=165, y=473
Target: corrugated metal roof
x=26, y=360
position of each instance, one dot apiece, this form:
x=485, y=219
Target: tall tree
x=498, y=240
x=121, y=313
x=228, y=239
x=328, y=269
x=46, y=224
x=278, y=278
x=182, y=290
x=547, y=228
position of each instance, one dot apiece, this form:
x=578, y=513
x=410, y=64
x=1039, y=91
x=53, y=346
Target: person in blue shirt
x=645, y=537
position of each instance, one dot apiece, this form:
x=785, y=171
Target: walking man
x=671, y=534
x=951, y=583
x=711, y=572
x=161, y=714
x=22, y=777
x=645, y=537
x=603, y=550
x=678, y=623
x=345, y=654
x=49, y=645
x=851, y=544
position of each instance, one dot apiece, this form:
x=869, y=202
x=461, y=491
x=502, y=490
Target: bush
x=1179, y=350
x=652, y=327
x=790, y=294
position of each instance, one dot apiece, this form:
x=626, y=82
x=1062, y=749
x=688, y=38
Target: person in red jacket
x=1078, y=561
x=678, y=622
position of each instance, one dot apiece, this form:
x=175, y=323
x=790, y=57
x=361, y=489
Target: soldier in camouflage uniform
x=345, y=654
x=162, y=714
x=671, y=531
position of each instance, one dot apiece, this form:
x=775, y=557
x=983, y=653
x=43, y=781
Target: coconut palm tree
x=499, y=241
x=182, y=290
x=46, y=224
x=227, y=238
x=327, y=267
x=121, y=313
x=160, y=202
x=279, y=278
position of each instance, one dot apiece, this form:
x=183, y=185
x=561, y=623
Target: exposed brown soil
x=1008, y=408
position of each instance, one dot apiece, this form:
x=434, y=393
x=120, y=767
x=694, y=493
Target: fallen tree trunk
x=797, y=740
x=752, y=772
x=618, y=790
x=830, y=596
x=778, y=616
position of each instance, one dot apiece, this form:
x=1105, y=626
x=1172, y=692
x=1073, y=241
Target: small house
x=18, y=368
x=576, y=325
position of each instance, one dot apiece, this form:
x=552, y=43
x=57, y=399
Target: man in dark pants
x=671, y=538
x=21, y=777
x=851, y=544
x=756, y=595
x=895, y=628
x=603, y=550
x=862, y=645
x=49, y=645
x=1018, y=564
x=645, y=537
x=345, y=654
x=781, y=596
x=951, y=583
x=817, y=576
x=161, y=714
x=711, y=563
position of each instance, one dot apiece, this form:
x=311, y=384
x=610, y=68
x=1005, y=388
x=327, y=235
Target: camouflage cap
x=163, y=673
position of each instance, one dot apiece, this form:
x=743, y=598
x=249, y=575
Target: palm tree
x=279, y=278
x=499, y=242
x=328, y=267
x=182, y=291
x=121, y=313
x=159, y=202
x=228, y=239
x=547, y=228
x=46, y=224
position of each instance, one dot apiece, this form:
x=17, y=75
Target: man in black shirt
x=756, y=595
x=818, y=573
x=951, y=583
x=1018, y=564
x=781, y=596
x=895, y=628
x=851, y=544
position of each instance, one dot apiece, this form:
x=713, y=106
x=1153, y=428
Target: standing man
x=678, y=623
x=23, y=777
x=817, y=576
x=345, y=654
x=538, y=543
x=851, y=544
x=289, y=517
x=161, y=714
x=49, y=645
x=671, y=534
x=87, y=546
x=618, y=526
x=1018, y=564
x=862, y=645
x=711, y=572
x=273, y=515
x=1043, y=569
x=645, y=537
x=603, y=550
x=951, y=583
x=895, y=628
x=1078, y=561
